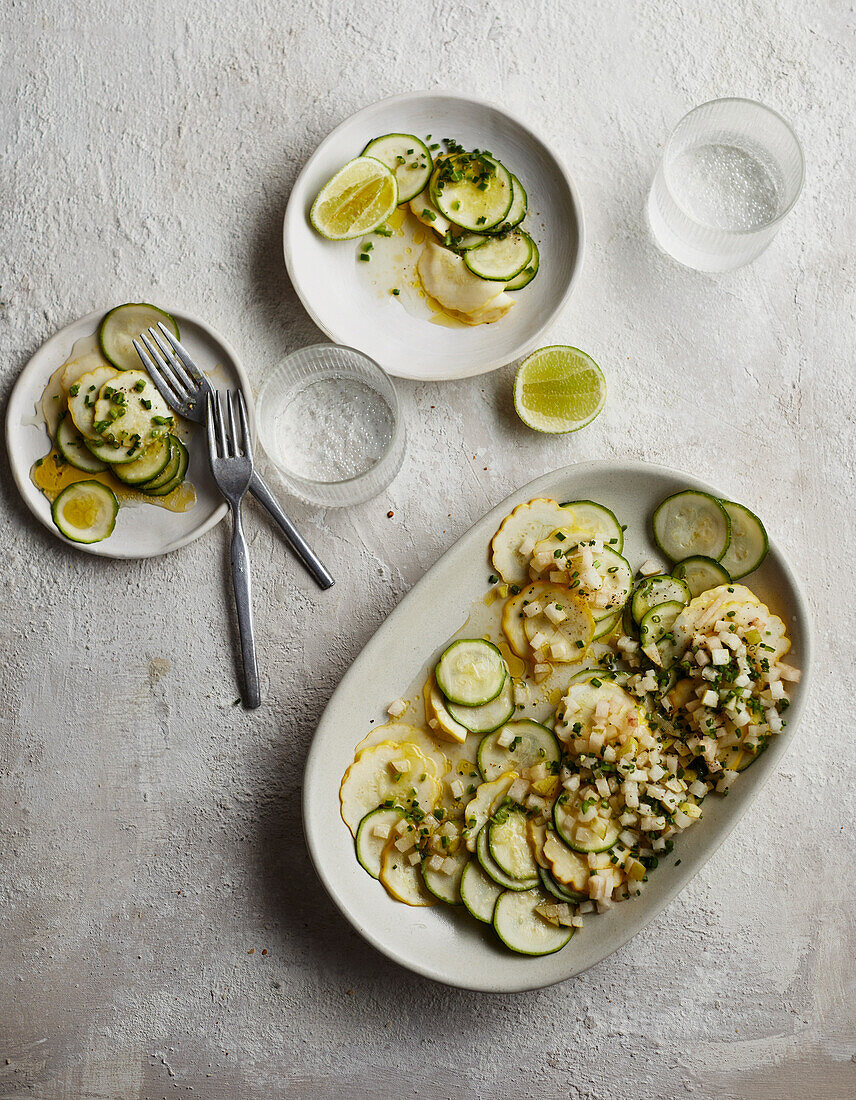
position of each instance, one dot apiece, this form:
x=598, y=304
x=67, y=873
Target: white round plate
x=337, y=290
x=142, y=530
x=446, y=943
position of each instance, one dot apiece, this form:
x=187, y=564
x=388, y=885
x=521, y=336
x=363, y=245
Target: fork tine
x=194, y=371
x=245, y=431
x=221, y=426
x=165, y=369
x=233, y=429
x=168, y=392
x=209, y=423
x=174, y=362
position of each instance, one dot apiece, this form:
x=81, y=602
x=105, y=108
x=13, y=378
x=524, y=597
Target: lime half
x=359, y=198
x=558, y=389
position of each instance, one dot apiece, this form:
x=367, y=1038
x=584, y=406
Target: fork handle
x=244, y=607
x=298, y=544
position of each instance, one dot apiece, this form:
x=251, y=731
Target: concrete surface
x=162, y=931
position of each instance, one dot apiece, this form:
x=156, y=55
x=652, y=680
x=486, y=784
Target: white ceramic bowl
x=337, y=292
x=446, y=943
x=142, y=530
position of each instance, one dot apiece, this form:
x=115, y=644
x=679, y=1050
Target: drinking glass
x=731, y=171
x=330, y=422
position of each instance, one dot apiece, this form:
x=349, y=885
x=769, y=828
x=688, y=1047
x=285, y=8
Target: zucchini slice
x=517, y=210
x=488, y=798
x=655, y=590
x=690, y=523
x=491, y=868
x=527, y=524
x=525, y=277
x=749, y=543
x=122, y=325
x=489, y=716
x=424, y=210
x=113, y=453
x=463, y=241
x=567, y=867
x=408, y=158
x=129, y=410
x=655, y=632
x=70, y=444
x=531, y=744
x=590, y=675
x=402, y=879
x=147, y=467
x=564, y=642
x=86, y=511
x=500, y=258
x=435, y=708
x=508, y=844
x=447, y=887
x=374, y=777
x=165, y=488
x=522, y=929
x=472, y=191
x=471, y=672
x=588, y=519
x=604, y=627
x=82, y=398
x=598, y=834
x=369, y=846
x=479, y=892
x=552, y=885
x=699, y=574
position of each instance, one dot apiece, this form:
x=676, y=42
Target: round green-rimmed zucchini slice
x=699, y=574
x=660, y=589
x=473, y=191
x=655, y=632
x=479, y=892
x=690, y=523
x=72, y=447
x=598, y=834
x=749, y=543
x=86, y=511
x=517, y=210
x=471, y=672
x=123, y=325
x=152, y=461
x=508, y=845
x=165, y=488
x=369, y=846
x=595, y=521
x=522, y=929
x=408, y=158
x=447, y=887
x=490, y=867
x=525, y=277
x=500, y=258
x=531, y=744
x=489, y=716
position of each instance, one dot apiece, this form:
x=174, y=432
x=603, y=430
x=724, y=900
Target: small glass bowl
x=330, y=421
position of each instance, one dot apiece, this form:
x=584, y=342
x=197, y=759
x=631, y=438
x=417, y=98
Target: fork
x=231, y=457
x=186, y=389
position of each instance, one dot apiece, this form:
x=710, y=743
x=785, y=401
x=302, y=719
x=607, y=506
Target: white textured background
x=149, y=829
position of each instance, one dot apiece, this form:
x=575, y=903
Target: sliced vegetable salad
x=472, y=203
x=550, y=763
x=107, y=419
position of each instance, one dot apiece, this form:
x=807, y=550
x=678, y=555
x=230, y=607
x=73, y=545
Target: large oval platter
x=443, y=943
